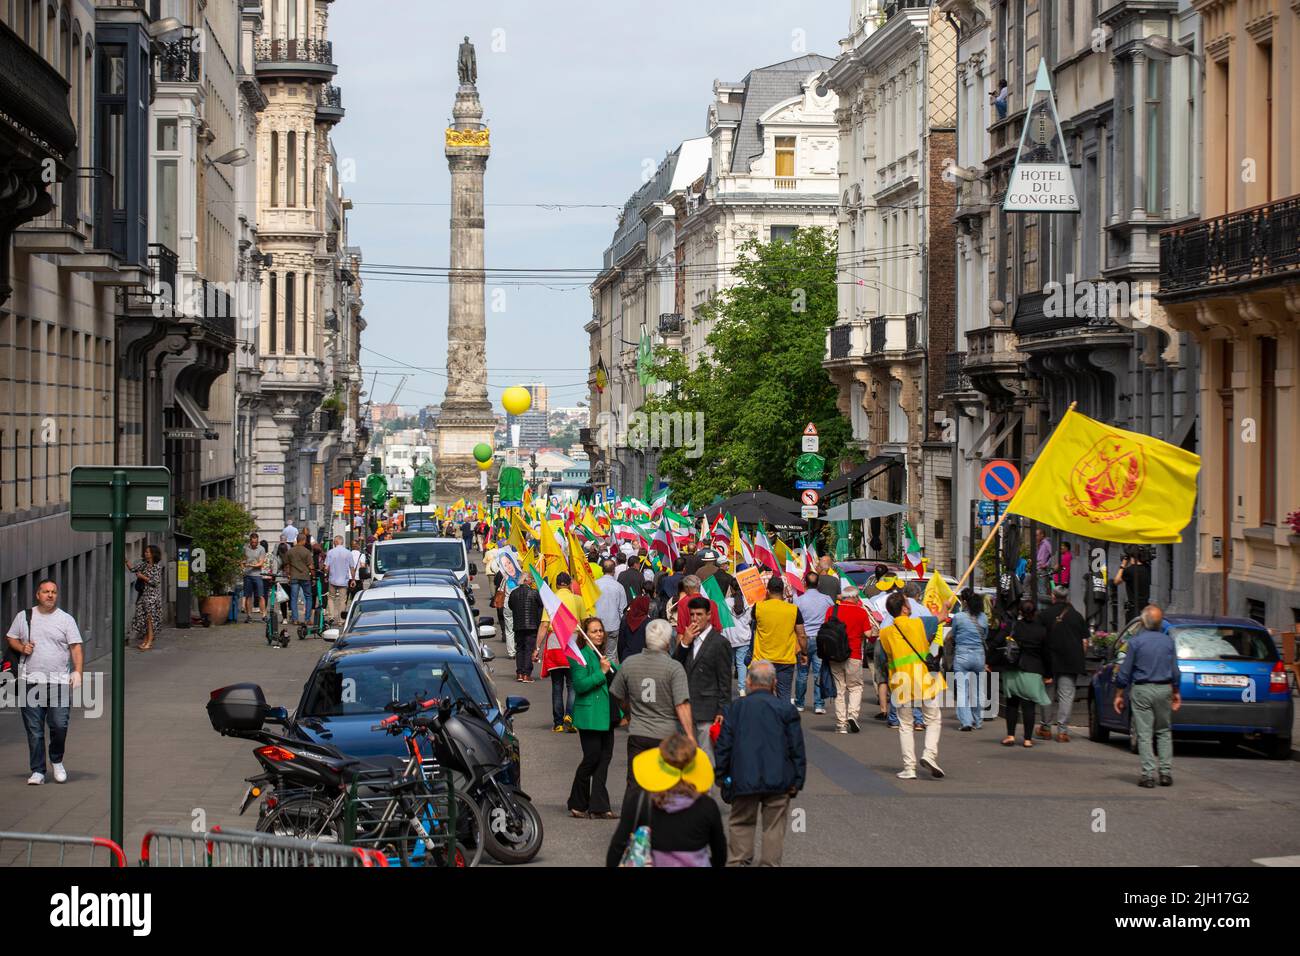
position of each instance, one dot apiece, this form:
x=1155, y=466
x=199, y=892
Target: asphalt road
x=1057, y=804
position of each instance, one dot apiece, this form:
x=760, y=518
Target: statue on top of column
x=467, y=64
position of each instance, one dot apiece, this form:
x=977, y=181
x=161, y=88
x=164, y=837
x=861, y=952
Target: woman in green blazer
x=589, y=796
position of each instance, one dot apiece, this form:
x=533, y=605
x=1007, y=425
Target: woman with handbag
x=1024, y=664
x=589, y=796
x=147, y=620
x=672, y=821
x=969, y=629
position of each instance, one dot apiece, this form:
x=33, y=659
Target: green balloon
x=482, y=452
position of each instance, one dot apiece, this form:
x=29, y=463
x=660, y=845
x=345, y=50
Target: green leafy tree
x=219, y=527
x=764, y=380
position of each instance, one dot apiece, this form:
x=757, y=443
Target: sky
x=580, y=98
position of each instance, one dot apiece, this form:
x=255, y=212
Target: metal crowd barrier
x=219, y=848
x=113, y=855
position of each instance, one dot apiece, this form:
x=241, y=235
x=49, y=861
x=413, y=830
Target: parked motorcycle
x=303, y=784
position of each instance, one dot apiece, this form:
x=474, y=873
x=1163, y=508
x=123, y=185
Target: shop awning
x=199, y=428
x=864, y=508
x=863, y=473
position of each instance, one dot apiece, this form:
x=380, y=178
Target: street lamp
x=1164, y=48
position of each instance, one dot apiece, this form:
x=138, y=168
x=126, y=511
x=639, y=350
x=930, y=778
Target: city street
x=1057, y=804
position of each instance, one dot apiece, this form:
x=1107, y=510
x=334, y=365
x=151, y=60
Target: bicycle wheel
x=304, y=818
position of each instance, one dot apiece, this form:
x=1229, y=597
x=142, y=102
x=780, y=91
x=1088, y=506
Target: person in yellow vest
x=912, y=684
x=779, y=637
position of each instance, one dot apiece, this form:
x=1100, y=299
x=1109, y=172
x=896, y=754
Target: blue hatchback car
x=1234, y=686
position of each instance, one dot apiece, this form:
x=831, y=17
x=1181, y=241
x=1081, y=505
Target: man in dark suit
x=707, y=657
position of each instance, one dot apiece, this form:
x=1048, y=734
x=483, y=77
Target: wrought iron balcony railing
x=331, y=96
x=1243, y=246
x=896, y=7
x=841, y=341
x=180, y=60
x=912, y=321
x=955, y=378
x=218, y=312
x=293, y=51
x=879, y=333
x=163, y=263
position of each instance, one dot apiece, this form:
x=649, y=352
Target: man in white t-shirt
x=48, y=673
x=290, y=534
x=338, y=565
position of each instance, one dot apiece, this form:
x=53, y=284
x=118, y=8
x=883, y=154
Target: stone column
x=466, y=417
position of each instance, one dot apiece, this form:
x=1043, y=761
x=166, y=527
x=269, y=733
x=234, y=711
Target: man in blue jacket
x=760, y=761
x=1150, y=673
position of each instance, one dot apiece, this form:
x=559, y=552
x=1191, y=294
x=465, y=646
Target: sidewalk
x=179, y=771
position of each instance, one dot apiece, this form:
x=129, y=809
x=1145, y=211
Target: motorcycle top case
x=239, y=707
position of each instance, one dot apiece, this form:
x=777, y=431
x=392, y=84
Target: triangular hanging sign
x=1041, y=180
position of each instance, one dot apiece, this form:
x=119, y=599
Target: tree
x=764, y=380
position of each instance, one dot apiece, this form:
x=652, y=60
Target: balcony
x=898, y=6
x=163, y=264
x=312, y=59
x=329, y=107
x=783, y=182
x=1251, y=247
x=180, y=61
x=992, y=361
x=955, y=379
x=894, y=335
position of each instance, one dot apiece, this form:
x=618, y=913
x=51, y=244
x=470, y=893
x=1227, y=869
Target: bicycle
x=415, y=817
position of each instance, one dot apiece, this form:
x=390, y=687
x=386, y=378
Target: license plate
x=1222, y=680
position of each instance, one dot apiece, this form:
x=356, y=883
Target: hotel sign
x=1041, y=180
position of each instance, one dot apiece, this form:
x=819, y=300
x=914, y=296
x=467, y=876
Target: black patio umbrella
x=755, y=507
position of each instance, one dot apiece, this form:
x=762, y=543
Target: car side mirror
x=485, y=621
x=330, y=634
x=485, y=654
x=517, y=705
x=276, y=715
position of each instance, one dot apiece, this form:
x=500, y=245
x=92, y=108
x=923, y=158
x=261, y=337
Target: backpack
x=13, y=659
x=833, y=640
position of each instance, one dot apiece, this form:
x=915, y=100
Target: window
x=291, y=167
x=166, y=203
x=1154, y=199
x=897, y=416
x=784, y=233
x=1268, y=436
x=785, y=157
x=274, y=315
x=290, y=316
x=112, y=83
x=293, y=19
x=275, y=169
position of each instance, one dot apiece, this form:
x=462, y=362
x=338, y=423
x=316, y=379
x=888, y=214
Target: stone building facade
x=888, y=349
x=1022, y=355
x=306, y=393
x=1230, y=281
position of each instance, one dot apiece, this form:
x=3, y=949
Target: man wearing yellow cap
x=912, y=684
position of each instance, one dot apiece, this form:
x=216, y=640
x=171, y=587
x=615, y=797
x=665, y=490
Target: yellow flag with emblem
x=580, y=571
x=1098, y=481
x=938, y=596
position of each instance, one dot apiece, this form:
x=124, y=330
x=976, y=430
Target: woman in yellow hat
x=683, y=822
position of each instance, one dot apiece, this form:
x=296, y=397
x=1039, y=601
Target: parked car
x=421, y=551
x=386, y=618
x=425, y=576
x=346, y=693
x=432, y=596
x=1234, y=685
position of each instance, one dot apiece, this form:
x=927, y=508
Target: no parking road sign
x=999, y=480
x=809, y=497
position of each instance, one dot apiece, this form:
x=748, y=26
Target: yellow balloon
x=484, y=465
x=516, y=400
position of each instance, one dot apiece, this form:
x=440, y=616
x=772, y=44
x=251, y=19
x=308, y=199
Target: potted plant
x=220, y=528
x=1293, y=519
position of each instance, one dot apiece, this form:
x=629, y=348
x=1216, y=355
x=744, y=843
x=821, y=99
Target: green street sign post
x=118, y=500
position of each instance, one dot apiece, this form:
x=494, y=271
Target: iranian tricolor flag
x=658, y=505
x=794, y=576
x=664, y=542
x=563, y=623
x=912, y=559
x=763, y=553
